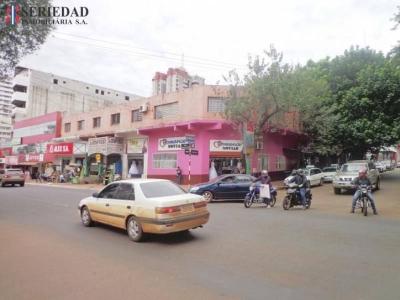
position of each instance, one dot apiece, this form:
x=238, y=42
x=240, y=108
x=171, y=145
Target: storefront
x=136, y=151
x=105, y=151
x=226, y=156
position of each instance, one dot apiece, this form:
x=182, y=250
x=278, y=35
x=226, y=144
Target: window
x=64, y=82
x=164, y=160
x=161, y=189
x=280, y=162
x=96, y=122
x=109, y=192
x=102, y=92
x=216, y=104
x=97, y=91
x=263, y=162
x=126, y=97
x=115, y=118
x=67, y=127
x=126, y=192
x=229, y=179
x=87, y=87
x=166, y=110
x=81, y=124
x=55, y=81
x=137, y=115
x=243, y=178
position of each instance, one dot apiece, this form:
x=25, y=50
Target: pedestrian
x=178, y=175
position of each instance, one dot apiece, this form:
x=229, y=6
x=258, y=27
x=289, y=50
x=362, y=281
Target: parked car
x=349, y=171
x=145, y=206
x=12, y=176
x=224, y=187
x=314, y=177
x=329, y=173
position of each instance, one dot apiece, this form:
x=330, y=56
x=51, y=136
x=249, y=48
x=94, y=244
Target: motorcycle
x=363, y=201
x=253, y=196
x=293, y=197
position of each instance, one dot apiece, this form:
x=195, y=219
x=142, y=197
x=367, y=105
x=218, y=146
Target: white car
x=381, y=167
x=145, y=206
x=329, y=173
x=314, y=177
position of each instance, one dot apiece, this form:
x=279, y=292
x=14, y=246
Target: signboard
x=135, y=145
x=60, y=149
x=194, y=152
x=79, y=148
x=174, y=143
x=226, y=145
x=5, y=152
x=105, y=145
x=98, y=157
x=11, y=160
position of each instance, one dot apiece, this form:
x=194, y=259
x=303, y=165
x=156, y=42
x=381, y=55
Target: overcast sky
x=125, y=42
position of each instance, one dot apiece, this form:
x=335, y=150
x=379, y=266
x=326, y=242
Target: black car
x=224, y=187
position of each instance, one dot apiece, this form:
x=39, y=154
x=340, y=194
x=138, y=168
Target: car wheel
x=208, y=196
x=378, y=185
x=22, y=184
x=3, y=184
x=134, y=229
x=336, y=191
x=85, y=217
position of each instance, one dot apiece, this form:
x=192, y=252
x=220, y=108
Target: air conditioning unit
x=143, y=108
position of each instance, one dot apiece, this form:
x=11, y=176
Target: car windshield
x=329, y=169
x=161, y=189
x=217, y=178
x=13, y=171
x=352, y=167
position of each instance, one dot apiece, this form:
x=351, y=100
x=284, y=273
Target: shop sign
x=60, y=149
x=34, y=157
x=135, y=145
x=79, y=148
x=174, y=143
x=105, y=145
x=226, y=145
x=11, y=160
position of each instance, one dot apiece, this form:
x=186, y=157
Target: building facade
x=37, y=93
x=6, y=107
x=149, y=136
x=174, y=80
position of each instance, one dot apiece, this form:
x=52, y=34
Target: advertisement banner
x=226, y=145
x=11, y=160
x=174, y=143
x=105, y=145
x=135, y=145
x=60, y=149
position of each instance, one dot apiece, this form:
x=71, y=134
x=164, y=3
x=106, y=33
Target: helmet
x=300, y=171
x=294, y=172
x=362, y=172
x=264, y=172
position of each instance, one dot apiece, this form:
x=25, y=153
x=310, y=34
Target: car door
x=101, y=206
x=318, y=175
x=226, y=187
x=312, y=177
x=243, y=186
x=123, y=204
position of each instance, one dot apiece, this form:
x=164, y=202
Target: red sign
x=5, y=152
x=61, y=149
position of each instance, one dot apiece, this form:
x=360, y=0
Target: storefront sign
x=105, y=145
x=79, y=148
x=226, y=145
x=60, y=149
x=11, y=160
x=34, y=157
x=174, y=143
x=135, y=145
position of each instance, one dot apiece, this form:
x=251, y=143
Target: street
x=256, y=253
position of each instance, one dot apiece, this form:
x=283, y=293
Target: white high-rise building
x=6, y=92
x=38, y=93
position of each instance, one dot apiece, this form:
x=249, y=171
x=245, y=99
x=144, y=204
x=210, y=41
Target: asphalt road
x=256, y=253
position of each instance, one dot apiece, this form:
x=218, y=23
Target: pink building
x=153, y=131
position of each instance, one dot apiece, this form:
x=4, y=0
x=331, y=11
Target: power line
x=155, y=51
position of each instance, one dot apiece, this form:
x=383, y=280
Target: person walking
x=178, y=175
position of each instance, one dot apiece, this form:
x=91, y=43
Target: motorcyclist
x=264, y=179
x=362, y=179
x=301, y=180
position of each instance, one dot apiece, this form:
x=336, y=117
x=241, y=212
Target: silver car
x=349, y=171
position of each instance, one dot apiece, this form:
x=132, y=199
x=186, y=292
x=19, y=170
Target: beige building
x=6, y=92
x=37, y=93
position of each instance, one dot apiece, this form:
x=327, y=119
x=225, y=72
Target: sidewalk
x=98, y=187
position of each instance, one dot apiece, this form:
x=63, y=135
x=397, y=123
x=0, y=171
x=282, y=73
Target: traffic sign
x=187, y=151
x=194, y=152
x=185, y=146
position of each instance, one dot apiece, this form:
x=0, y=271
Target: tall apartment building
x=38, y=93
x=176, y=79
x=6, y=92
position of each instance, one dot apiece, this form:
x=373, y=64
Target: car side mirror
x=95, y=195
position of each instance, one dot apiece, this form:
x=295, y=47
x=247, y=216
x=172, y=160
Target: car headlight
x=195, y=188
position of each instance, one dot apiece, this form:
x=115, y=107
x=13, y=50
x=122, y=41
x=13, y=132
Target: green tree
x=21, y=39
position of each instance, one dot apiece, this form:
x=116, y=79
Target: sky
x=126, y=41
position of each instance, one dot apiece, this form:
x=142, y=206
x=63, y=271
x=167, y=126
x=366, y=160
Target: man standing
x=178, y=175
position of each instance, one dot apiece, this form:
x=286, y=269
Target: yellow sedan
x=145, y=206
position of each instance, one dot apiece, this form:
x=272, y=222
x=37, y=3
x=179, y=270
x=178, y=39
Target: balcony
x=21, y=79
